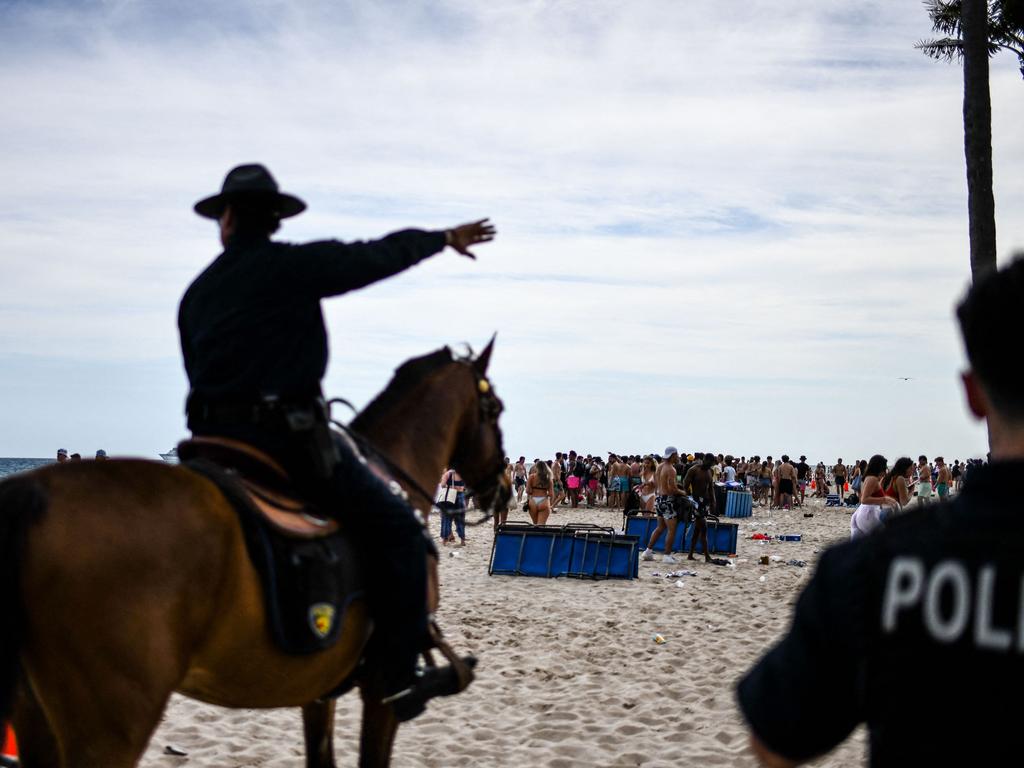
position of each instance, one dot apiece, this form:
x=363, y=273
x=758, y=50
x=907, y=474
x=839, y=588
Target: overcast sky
x=726, y=225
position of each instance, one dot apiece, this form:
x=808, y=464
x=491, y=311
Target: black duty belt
x=270, y=410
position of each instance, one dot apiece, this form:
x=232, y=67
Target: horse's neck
x=419, y=436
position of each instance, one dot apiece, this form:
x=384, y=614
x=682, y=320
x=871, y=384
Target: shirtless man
x=924, y=480
x=636, y=470
x=519, y=478
x=787, y=482
x=556, y=480
x=668, y=501
x=620, y=481
x=803, y=472
x=839, y=475
x=944, y=479
x=700, y=485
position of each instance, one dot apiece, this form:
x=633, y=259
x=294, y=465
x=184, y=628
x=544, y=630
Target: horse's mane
x=407, y=376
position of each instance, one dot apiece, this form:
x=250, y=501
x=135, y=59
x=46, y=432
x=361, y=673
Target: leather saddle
x=266, y=485
x=307, y=566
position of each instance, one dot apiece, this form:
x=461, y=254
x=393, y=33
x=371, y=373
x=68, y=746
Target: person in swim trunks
x=944, y=479
x=803, y=470
x=699, y=484
x=519, y=478
x=668, y=500
x=924, y=480
x=787, y=483
x=839, y=475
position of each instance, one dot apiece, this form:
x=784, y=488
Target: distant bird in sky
x=905, y=378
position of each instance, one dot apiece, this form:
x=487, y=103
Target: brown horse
x=129, y=580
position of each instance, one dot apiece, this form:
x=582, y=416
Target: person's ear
x=977, y=398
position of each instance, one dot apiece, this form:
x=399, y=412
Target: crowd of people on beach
x=629, y=481
x=589, y=480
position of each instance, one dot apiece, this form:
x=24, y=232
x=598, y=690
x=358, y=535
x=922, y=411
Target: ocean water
x=10, y=466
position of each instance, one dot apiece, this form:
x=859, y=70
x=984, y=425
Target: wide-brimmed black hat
x=249, y=181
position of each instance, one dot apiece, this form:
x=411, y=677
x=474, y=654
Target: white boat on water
x=171, y=456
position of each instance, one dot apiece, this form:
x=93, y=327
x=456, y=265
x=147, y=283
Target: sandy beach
x=569, y=675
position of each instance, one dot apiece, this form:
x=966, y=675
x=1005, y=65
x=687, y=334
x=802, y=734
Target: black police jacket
x=251, y=324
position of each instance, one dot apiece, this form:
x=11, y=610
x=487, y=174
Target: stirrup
x=462, y=666
x=434, y=681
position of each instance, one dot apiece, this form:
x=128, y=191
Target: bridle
x=489, y=409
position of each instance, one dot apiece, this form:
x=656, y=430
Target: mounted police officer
x=255, y=351
x=917, y=629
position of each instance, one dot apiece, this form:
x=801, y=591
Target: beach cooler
x=722, y=537
x=739, y=504
x=577, y=550
x=720, y=491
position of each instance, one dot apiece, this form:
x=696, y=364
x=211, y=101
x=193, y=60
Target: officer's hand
x=465, y=235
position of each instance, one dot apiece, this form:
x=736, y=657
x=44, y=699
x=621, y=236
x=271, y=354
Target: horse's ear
x=484, y=360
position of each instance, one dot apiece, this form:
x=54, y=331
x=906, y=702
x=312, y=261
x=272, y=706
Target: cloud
x=738, y=192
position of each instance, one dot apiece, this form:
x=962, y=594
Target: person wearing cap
x=803, y=471
x=101, y=455
x=917, y=630
x=668, y=502
x=62, y=455
x=255, y=351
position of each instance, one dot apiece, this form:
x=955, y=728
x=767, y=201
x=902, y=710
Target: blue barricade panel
x=583, y=551
x=722, y=537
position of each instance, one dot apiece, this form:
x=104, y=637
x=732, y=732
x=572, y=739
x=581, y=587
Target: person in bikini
x=647, y=486
x=668, y=501
x=540, y=493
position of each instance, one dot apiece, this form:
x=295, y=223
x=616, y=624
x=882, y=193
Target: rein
x=367, y=447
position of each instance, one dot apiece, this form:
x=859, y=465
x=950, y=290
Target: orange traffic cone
x=10, y=748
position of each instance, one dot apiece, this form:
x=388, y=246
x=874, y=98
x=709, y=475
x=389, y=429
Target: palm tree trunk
x=981, y=213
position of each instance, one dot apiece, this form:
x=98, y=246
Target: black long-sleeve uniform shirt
x=251, y=323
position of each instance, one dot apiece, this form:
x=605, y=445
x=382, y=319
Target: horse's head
x=479, y=455
x=442, y=408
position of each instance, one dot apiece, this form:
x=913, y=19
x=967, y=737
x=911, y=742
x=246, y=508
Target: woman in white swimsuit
x=647, y=483
x=540, y=493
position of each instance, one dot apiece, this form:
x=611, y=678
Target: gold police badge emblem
x=321, y=619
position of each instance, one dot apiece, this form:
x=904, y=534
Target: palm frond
x=945, y=16
x=946, y=49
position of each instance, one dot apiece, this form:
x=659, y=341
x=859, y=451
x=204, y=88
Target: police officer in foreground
x=917, y=630
x=255, y=351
